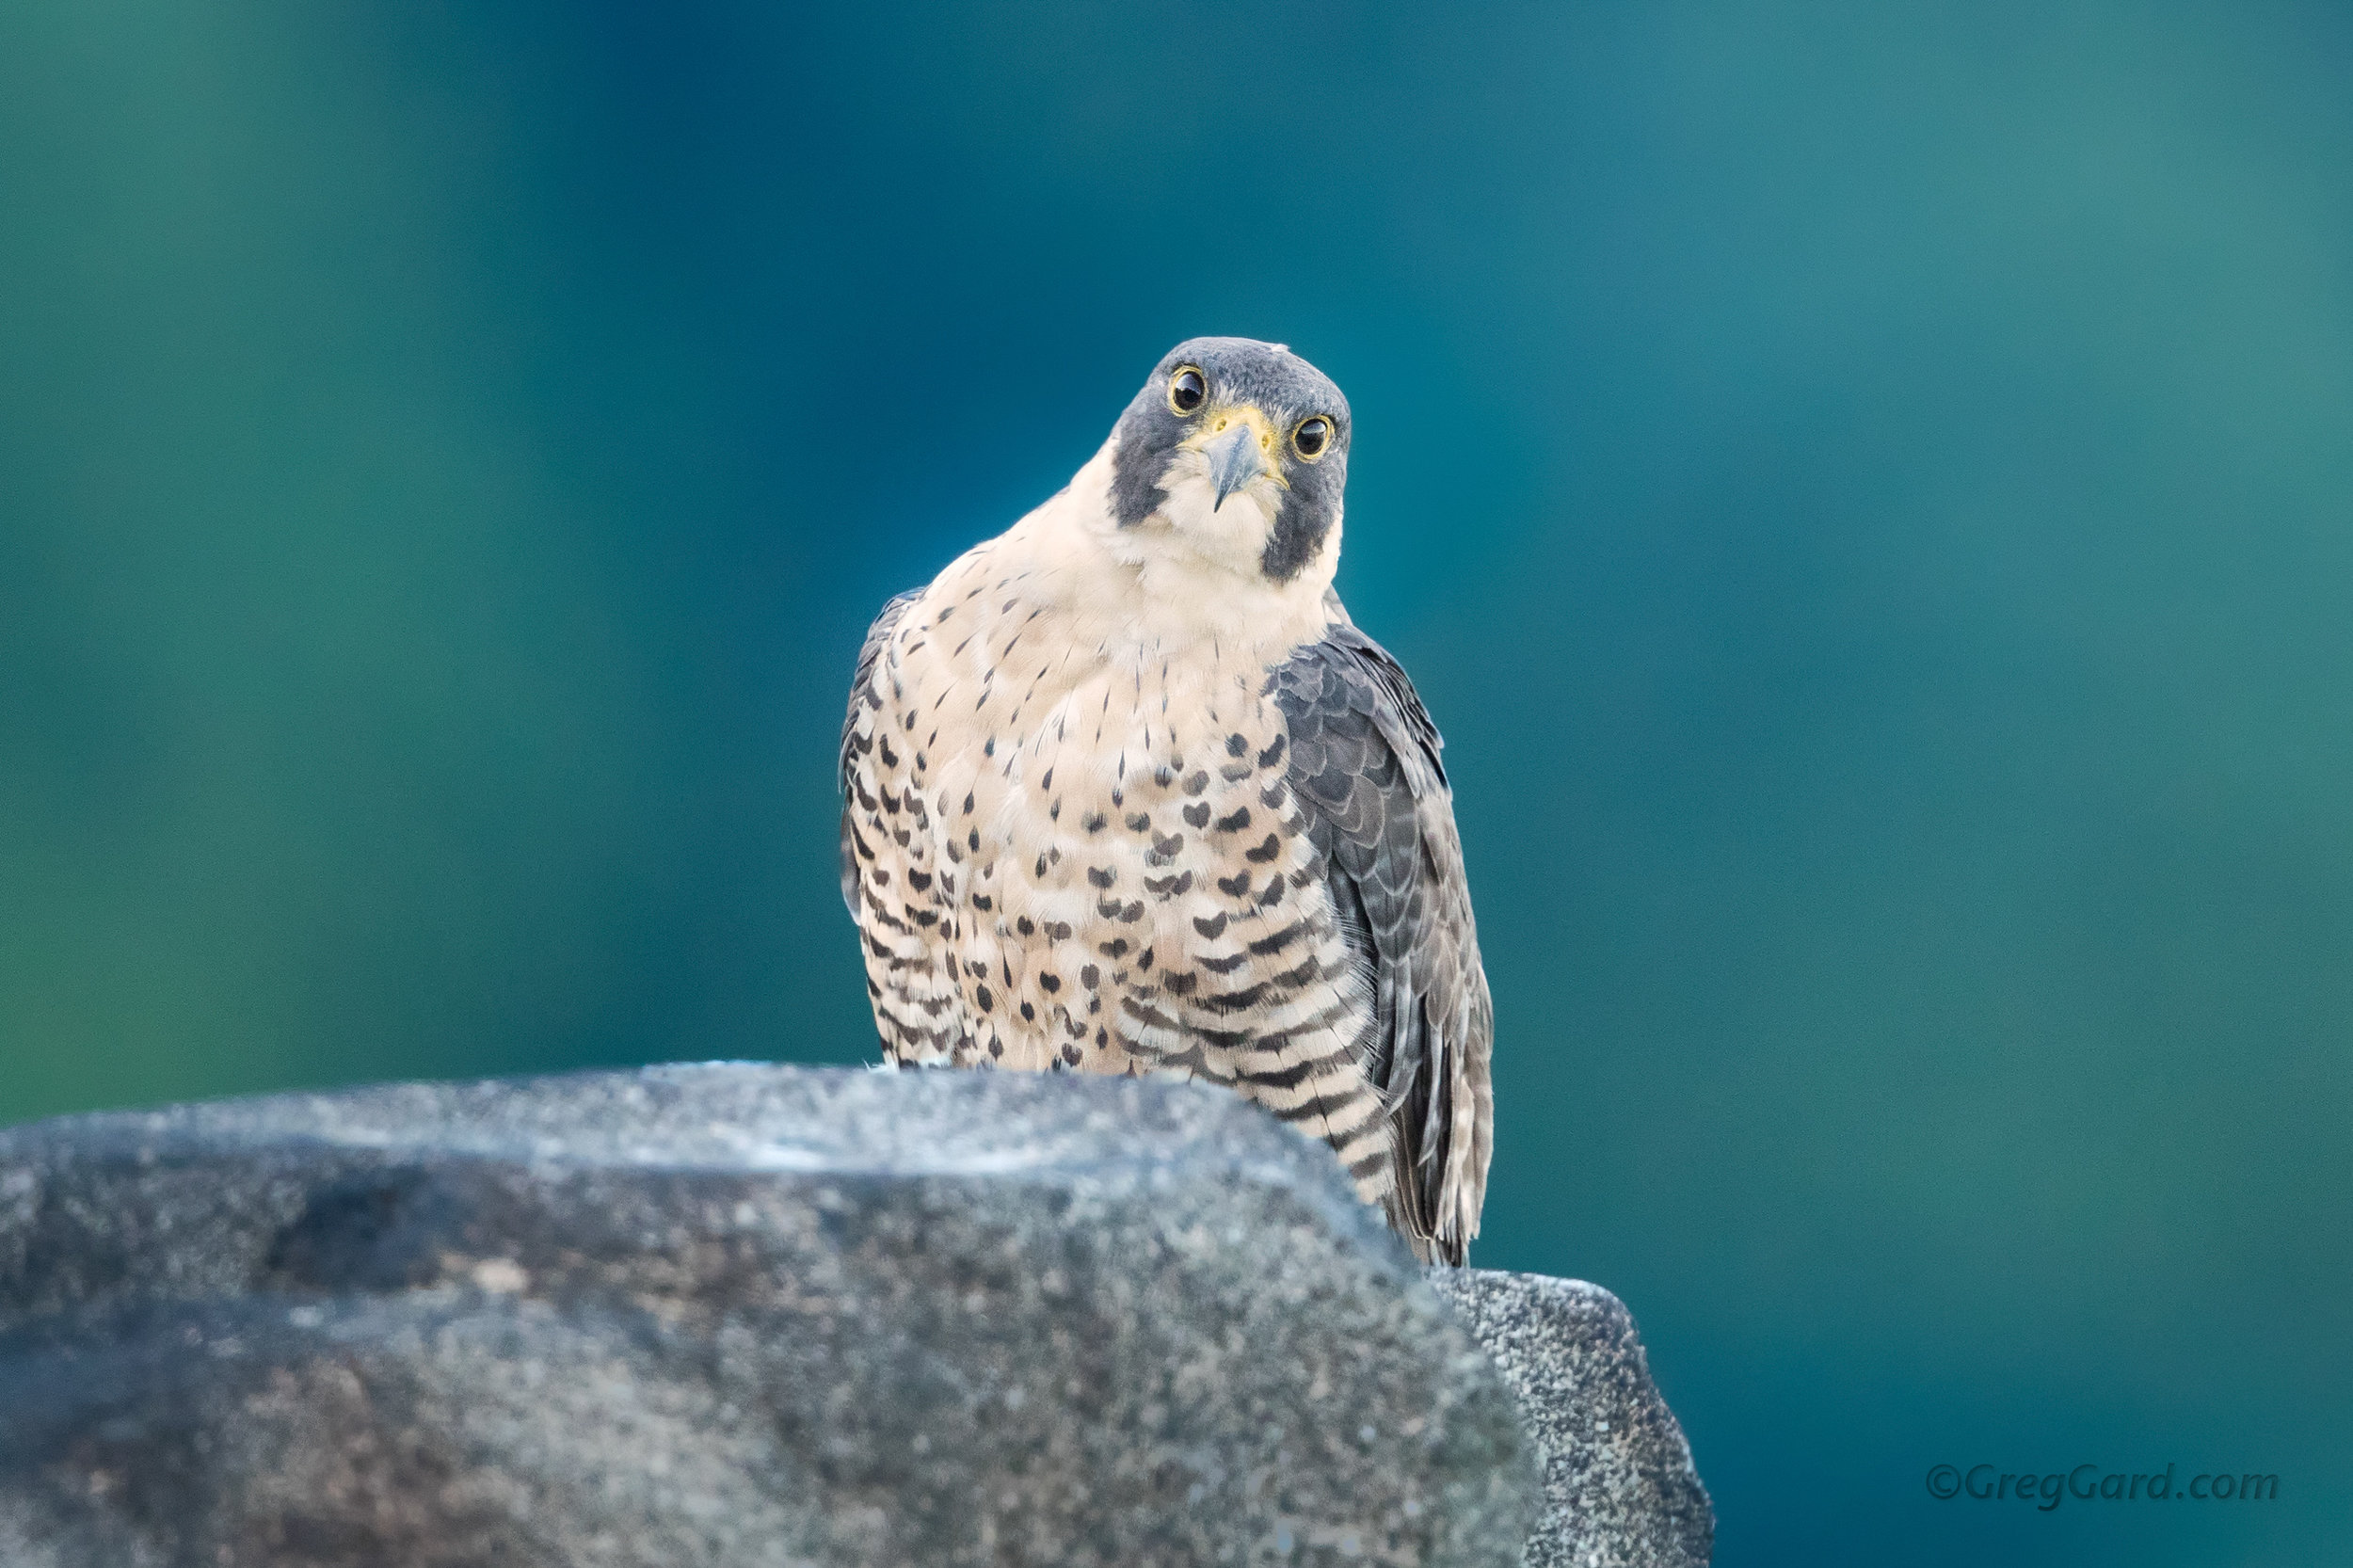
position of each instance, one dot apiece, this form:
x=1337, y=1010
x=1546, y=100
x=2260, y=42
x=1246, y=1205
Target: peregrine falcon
x=1126, y=791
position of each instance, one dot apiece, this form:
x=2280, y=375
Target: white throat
x=1187, y=575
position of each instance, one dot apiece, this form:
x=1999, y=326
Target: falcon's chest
x=1085, y=852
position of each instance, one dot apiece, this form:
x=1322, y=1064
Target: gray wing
x=866, y=694
x=1365, y=766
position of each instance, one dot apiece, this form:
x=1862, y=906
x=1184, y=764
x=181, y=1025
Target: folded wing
x=1365, y=766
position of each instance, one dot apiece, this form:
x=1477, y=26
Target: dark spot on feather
x=1195, y=783
x=1266, y=946
x=1051, y=981
x=1139, y=822
x=1265, y=852
x=1115, y=948
x=987, y=999
x=1103, y=876
x=1234, y=886
x=1213, y=928
x=1023, y=925
x=1235, y=824
x=1235, y=745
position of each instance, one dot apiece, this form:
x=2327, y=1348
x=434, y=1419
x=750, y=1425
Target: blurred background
x=1866, y=492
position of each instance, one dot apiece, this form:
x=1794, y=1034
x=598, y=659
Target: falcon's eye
x=1312, y=437
x=1186, y=390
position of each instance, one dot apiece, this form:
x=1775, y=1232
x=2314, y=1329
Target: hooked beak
x=1234, y=459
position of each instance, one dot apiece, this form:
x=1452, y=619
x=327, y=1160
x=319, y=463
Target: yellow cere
x=1219, y=419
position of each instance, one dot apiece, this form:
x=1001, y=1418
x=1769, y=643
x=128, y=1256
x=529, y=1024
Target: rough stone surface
x=728, y=1315
x=1620, y=1489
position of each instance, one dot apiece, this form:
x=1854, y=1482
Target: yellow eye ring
x=1188, y=390
x=1313, y=438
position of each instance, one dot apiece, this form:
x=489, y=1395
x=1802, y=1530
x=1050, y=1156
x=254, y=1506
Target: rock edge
x=728, y=1315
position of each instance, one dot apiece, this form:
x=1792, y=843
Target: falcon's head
x=1236, y=452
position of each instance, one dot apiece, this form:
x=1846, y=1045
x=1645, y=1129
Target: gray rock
x=728, y=1315
x=1620, y=1489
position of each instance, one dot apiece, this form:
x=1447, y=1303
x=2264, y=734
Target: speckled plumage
x=1126, y=792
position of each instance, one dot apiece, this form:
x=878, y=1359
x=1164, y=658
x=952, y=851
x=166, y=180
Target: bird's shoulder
x=1350, y=706
x=870, y=654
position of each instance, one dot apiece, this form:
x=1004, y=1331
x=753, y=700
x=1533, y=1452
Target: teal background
x=1867, y=492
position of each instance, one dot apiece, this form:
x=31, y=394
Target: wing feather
x=1365, y=765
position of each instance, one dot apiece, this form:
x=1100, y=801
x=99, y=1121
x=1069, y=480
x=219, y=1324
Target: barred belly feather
x=1066, y=861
